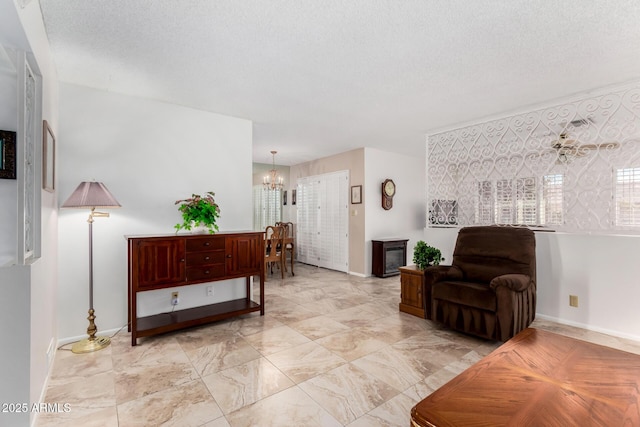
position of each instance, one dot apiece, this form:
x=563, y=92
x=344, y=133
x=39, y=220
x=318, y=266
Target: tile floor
x=331, y=350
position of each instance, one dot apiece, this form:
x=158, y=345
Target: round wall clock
x=388, y=191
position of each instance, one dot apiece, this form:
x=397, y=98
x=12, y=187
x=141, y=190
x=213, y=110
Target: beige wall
x=353, y=161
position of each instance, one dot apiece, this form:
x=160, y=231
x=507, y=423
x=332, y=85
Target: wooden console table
x=158, y=262
x=539, y=378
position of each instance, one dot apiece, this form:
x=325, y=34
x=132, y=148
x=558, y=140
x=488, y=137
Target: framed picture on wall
x=48, y=158
x=356, y=194
x=293, y=197
x=7, y=154
x=284, y=198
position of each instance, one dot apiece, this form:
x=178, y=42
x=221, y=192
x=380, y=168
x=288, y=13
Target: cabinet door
x=411, y=291
x=244, y=254
x=159, y=262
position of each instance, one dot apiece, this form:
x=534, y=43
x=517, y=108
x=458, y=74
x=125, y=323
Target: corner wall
x=407, y=218
x=29, y=290
x=353, y=161
x=369, y=167
x=149, y=154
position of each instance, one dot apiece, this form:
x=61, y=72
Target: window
x=484, y=207
x=552, y=200
x=267, y=207
x=517, y=201
x=628, y=197
x=526, y=201
x=504, y=202
x=443, y=212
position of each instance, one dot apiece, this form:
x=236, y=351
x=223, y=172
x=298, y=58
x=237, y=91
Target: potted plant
x=199, y=211
x=425, y=255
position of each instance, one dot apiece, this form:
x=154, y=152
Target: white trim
x=70, y=340
x=574, y=97
x=353, y=273
x=588, y=327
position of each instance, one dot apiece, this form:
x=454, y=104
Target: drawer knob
x=206, y=272
x=207, y=243
x=206, y=258
x=229, y=256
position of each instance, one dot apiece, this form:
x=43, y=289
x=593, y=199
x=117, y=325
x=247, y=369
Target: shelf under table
x=165, y=322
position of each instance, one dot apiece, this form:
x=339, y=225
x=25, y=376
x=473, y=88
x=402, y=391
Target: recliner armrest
x=438, y=273
x=515, y=282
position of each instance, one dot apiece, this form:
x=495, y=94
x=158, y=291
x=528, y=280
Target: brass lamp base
x=92, y=343
x=88, y=345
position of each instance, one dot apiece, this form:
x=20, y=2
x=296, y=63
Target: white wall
x=407, y=218
x=601, y=270
x=8, y=187
x=29, y=317
x=149, y=154
x=14, y=333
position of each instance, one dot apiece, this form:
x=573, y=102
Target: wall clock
x=388, y=191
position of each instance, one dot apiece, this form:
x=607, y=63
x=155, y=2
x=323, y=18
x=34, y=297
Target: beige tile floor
x=331, y=350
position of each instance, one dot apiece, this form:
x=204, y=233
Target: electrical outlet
x=174, y=298
x=573, y=300
x=209, y=291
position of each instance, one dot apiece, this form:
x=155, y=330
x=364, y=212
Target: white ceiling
x=319, y=77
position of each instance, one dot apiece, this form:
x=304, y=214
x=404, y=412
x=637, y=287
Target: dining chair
x=274, y=245
x=289, y=242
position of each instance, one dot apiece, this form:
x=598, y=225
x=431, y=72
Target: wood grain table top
x=539, y=378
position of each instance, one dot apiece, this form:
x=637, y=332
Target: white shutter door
x=323, y=220
x=342, y=249
x=334, y=217
x=314, y=190
x=303, y=240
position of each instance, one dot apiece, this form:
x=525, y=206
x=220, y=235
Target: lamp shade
x=91, y=195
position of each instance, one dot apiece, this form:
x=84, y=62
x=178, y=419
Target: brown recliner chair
x=490, y=288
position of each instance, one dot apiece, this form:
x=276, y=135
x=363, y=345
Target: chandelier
x=273, y=181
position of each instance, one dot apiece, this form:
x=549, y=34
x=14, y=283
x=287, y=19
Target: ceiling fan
x=568, y=149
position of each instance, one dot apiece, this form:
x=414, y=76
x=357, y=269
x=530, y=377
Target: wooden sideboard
x=158, y=262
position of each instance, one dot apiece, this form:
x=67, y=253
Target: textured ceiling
x=319, y=77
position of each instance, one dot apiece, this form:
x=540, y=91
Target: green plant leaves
x=425, y=255
x=198, y=210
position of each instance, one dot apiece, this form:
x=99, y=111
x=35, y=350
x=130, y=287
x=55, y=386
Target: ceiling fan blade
x=582, y=150
x=609, y=145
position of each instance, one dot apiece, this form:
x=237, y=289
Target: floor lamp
x=91, y=195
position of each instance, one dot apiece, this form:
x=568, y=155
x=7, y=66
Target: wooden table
x=539, y=378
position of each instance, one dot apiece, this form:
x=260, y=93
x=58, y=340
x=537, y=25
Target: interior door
x=323, y=220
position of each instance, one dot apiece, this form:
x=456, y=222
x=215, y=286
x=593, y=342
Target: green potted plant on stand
x=415, y=296
x=199, y=211
x=425, y=255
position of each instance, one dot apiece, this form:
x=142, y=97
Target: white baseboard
x=611, y=332
x=69, y=340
